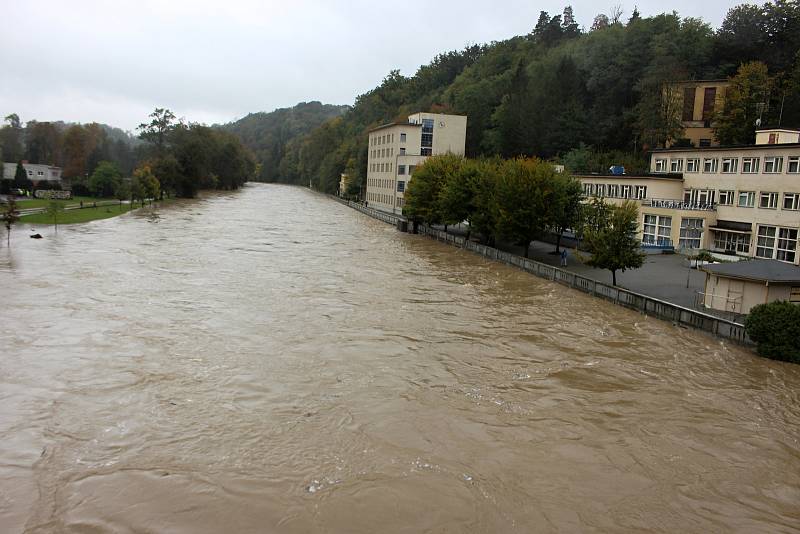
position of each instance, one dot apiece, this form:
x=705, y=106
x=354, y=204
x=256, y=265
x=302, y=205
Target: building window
x=773, y=164
x=641, y=191
x=691, y=233
x=426, y=152
x=401, y=186
x=787, y=244
x=30, y=173
x=626, y=191
x=600, y=190
x=750, y=165
x=657, y=230
x=710, y=164
x=730, y=165
x=766, y=242
x=793, y=165
x=693, y=165
x=613, y=190
x=726, y=198
x=39, y=173
x=676, y=165
x=402, y=151
x=699, y=197
x=791, y=201
x=768, y=200
x=705, y=143
x=747, y=199
x=794, y=295
x=732, y=242
x=411, y=169
x=661, y=165
x=401, y=170
x=402, y=138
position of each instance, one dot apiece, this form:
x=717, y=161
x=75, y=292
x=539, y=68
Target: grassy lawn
x=43, y=202
x=79, y=215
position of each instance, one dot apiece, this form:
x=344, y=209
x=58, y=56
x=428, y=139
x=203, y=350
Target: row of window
x=386, y=184
x=385, y=139
x=657, y=230
x=772, y=242
x=747, y=199
x=749, y=165
x=727, y=197
x=379, y=197
x=615, y=191
x=385, y=153
x=381, y=167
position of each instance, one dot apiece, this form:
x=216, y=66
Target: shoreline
x=645, y=304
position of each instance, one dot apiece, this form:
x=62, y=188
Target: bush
x=775, y=328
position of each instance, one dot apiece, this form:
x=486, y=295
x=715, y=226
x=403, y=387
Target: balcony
x=678, y=204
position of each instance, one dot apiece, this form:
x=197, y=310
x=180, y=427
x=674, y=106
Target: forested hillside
x=267, y=134
x=562, y=92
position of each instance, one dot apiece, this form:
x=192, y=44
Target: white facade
x=35, y=172
x=737, y=200
x=395, y=150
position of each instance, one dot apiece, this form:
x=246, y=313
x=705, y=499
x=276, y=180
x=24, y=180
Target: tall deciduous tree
x=523, y=195
x=746, y=101
x=422, y=196
x=614, y=246
x=566, y=206
x=105, y=179
x=156, y=132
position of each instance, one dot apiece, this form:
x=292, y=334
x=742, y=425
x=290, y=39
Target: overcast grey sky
x=217, y=60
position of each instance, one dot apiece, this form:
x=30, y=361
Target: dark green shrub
x=775, y=328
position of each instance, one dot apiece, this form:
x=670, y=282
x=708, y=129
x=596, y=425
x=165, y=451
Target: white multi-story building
x=396, y=149
x=742, y=200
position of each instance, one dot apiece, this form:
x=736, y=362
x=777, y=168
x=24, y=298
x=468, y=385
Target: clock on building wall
x=441, y=124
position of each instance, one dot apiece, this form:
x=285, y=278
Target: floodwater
x=271, y=361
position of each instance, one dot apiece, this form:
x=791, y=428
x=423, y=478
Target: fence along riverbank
x=648, y=305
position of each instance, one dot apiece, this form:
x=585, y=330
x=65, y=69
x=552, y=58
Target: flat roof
x=757, y=270
x=389, y=125
x=723, y=148
x=645, y=176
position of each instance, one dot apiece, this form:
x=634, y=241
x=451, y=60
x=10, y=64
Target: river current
x=269, y=360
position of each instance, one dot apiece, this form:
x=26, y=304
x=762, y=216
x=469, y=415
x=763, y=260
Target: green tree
x=147, y=183
x=21, y=180
x=482, y=176
x=775, y=328
x=566, y=206
x=54, y=209
x=615, y=246
x=422, y=195
x=122, y=192
x=10, y=216
x=105, y=179
x=525, y=190
x=156, y=132
x=746, y=100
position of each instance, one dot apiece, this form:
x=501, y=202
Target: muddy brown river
x=271, y=361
